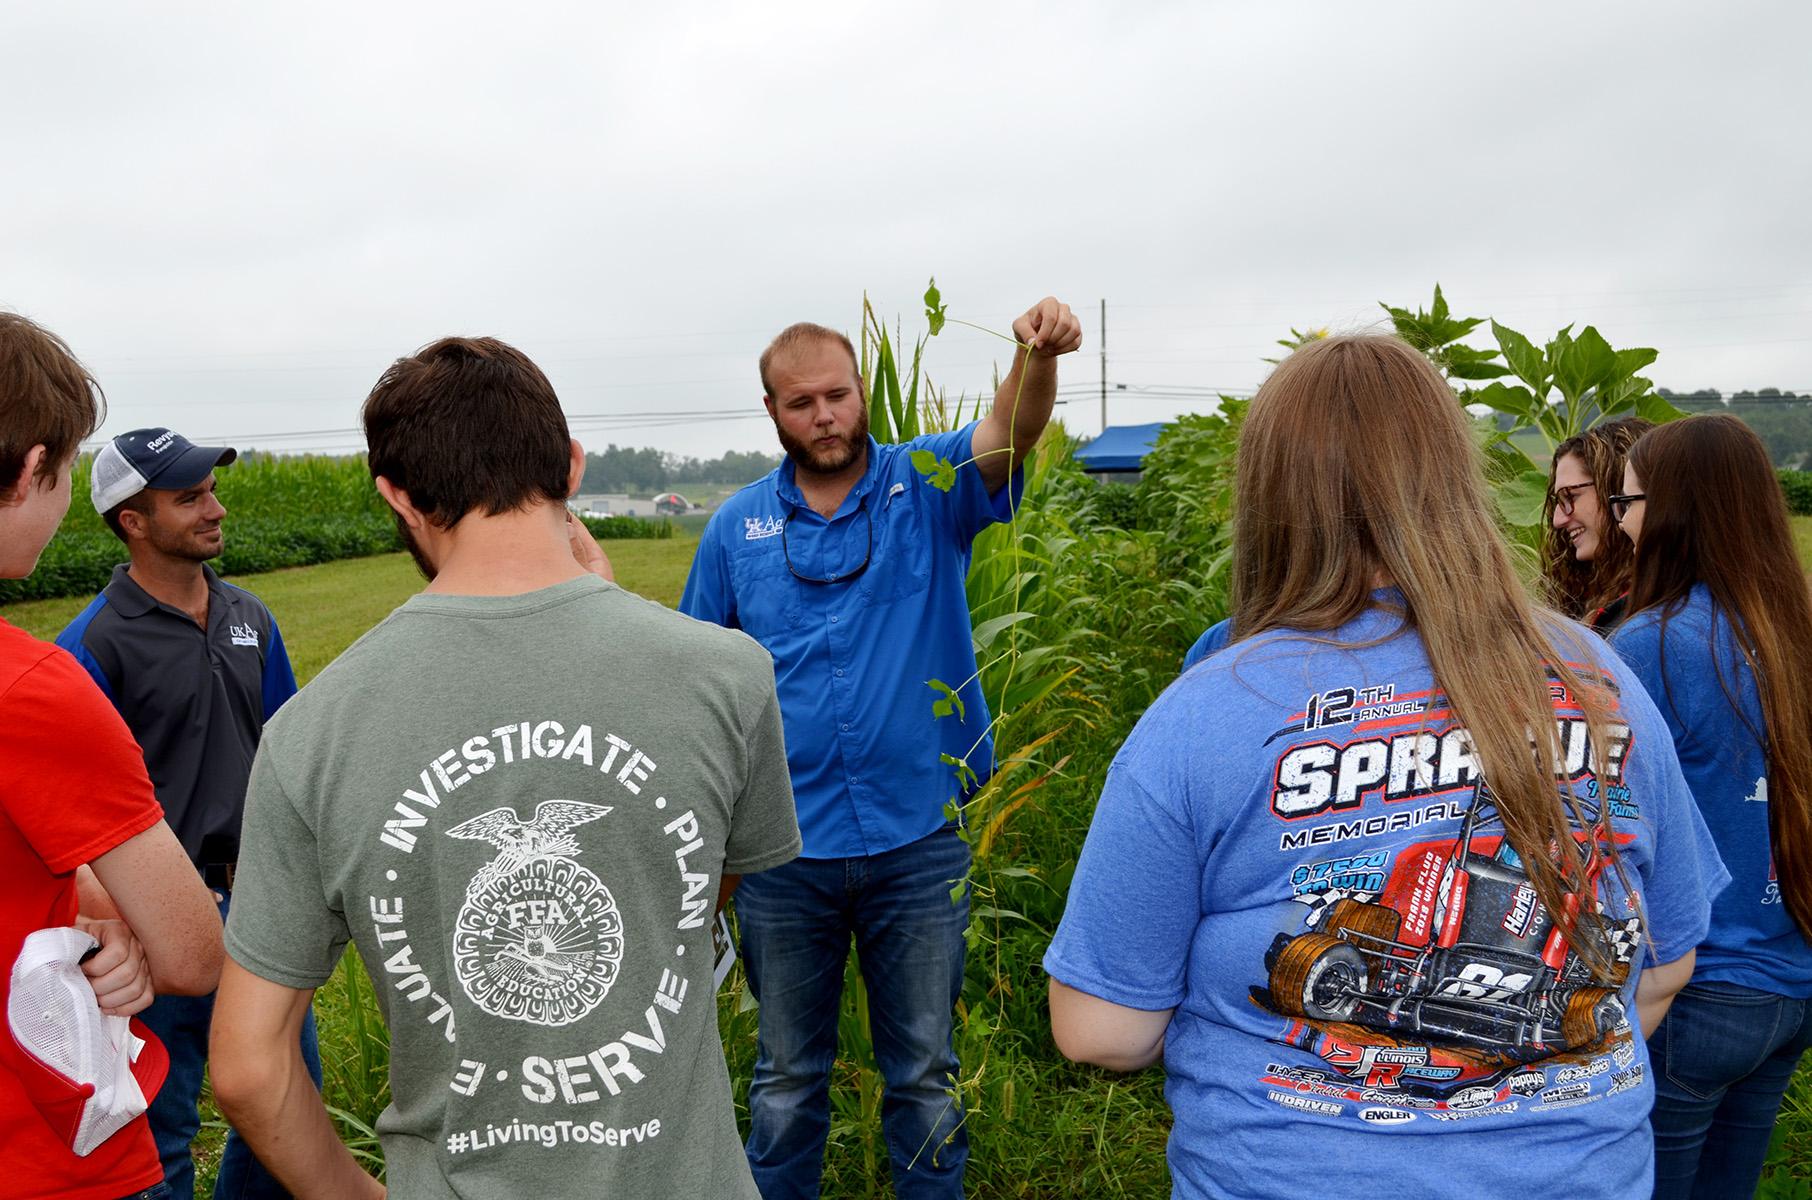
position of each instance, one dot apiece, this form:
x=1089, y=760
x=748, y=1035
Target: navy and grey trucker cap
x=151, y=458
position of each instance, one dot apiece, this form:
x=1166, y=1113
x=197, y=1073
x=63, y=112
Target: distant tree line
x=647, y=470
x=1783, y=420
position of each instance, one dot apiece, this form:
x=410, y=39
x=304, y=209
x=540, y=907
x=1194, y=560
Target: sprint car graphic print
x=1456, y=973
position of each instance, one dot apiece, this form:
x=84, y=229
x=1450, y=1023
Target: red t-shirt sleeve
x=71, y=778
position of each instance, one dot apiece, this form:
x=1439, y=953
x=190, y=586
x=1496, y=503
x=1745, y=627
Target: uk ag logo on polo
x=756, y=528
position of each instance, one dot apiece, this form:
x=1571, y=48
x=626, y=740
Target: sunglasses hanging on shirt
x=867, y=553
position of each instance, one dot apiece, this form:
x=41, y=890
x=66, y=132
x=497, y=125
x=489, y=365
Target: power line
x=1720, y=294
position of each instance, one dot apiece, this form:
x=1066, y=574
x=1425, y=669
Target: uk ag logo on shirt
x=243, y=635
x=756, y=528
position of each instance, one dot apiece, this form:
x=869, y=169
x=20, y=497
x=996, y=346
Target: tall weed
x=1079, y=623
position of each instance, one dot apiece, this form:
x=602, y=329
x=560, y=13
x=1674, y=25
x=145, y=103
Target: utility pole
x=1104, y=364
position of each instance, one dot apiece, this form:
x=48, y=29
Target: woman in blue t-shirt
x=1720, y=633
x=1362, y=967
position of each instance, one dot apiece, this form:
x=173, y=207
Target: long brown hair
x=1581, y=588
x=1714, y=514
x=1356, y=463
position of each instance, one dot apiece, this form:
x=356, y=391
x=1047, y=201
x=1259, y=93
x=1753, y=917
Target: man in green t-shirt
x=521, y=796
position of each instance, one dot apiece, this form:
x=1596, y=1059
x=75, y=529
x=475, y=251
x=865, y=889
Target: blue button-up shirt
x=852, y=656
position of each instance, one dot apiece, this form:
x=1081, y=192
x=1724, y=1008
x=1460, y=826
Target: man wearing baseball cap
x=195, y=666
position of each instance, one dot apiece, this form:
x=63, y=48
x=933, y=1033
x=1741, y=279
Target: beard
x=186, y=546
x=827, y=462
x=422, y=562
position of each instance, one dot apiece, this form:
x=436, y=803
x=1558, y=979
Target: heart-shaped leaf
x=948, y=701
x=934, y=308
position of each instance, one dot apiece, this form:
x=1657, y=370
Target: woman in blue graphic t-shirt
x=1376, y=942
x=1721, y=636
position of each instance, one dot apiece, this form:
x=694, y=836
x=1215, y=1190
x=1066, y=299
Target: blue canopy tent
x=1120, y=449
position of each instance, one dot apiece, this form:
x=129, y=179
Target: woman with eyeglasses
x=1585, y=560
x=1390, y=884
x=1720, y=633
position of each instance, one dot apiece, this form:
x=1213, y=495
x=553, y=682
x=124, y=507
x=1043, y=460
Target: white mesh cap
x=151, y=458
x=114, y=480
x=53, y=1016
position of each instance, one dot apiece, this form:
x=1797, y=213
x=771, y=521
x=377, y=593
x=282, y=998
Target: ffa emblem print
x=539, y=938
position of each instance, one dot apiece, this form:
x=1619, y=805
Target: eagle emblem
x=539, y=938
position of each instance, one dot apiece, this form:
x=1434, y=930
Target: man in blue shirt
x=848, y=563
x=196, y=667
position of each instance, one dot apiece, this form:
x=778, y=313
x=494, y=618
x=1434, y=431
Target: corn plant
x=284, y=511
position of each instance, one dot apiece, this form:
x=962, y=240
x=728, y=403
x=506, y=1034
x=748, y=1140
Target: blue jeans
x=1722, y=1060
x=796, y=923
x=181, y=1024
x=160, y=1192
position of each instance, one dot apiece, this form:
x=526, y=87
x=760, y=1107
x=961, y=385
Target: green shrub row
x=80, y=562
x=1797, y=487
x=282, y=511
x=622, y=528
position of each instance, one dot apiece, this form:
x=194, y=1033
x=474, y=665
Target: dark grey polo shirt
x=195, y=699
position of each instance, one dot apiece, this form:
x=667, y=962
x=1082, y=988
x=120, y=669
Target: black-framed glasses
x=1564, y=497
x=862, y=507
x=1620, y=505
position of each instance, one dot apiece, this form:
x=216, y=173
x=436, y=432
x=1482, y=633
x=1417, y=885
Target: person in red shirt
x=74, y=793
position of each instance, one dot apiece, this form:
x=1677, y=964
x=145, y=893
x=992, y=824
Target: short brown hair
x=468, y=423
x=47, y=398
x=804, y=333
x=139, y=502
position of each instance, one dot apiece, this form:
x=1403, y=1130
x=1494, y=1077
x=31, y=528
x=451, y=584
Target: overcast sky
x=239, y=214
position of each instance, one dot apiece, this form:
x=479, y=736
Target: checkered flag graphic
x=1624, y=938
x=1319, y=902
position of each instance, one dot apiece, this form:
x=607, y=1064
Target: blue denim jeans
x=796, y=923
x=181, y=1024
x=1722, y=1059
x=160, y=1192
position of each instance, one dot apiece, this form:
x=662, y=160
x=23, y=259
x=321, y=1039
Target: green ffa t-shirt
x=520, y=808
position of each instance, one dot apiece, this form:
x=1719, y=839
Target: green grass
x=1802, y=539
